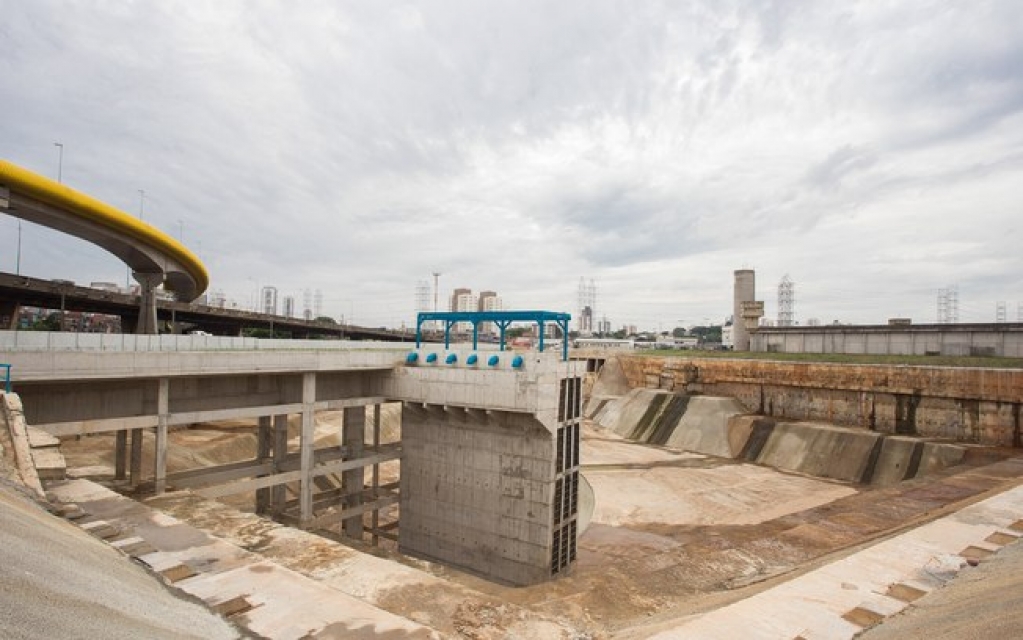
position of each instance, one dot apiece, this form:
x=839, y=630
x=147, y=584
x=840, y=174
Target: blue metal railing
x=7, y=376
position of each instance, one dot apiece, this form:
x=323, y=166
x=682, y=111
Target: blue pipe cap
x=471, y=359
x=412, y=358
x=432, y=357
x=493, y=360
x=517, y=362
x=451, y=359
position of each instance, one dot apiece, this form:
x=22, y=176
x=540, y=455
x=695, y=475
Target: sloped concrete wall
x=720, y=427
x=972, y=405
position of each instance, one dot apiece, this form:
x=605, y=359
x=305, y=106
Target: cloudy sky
x=872, y=151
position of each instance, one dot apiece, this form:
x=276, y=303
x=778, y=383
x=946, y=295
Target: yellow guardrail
x=88, y=208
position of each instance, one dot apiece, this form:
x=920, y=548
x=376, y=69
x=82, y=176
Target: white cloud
x=871, y=152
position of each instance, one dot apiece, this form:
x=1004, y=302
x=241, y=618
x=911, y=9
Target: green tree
x=49, y=323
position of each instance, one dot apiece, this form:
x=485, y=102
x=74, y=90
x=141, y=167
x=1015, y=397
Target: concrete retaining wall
x=964, y=404
x=719, y=427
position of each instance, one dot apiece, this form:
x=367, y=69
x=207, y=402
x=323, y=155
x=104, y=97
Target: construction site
x=690, y=498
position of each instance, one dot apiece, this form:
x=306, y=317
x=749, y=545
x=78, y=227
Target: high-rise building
x=587, y=306
x=269, y=300
x=289, y=307
x=489, y=301
x=461, y=300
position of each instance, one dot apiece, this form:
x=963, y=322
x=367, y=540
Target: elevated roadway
x=154, y=257
x=18, y=290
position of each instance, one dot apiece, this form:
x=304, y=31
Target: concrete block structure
x=490, y=465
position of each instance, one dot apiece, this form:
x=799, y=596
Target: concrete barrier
x=708, y=426
x=819, y=450
x=720, y=427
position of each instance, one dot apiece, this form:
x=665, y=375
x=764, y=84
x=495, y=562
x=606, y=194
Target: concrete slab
x=37, y=438
x=49, y=464
x=59, y=582
x=642, y=484
x=285, y=603
x=821, y=603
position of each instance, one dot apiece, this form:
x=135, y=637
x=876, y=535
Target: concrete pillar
x=376, y=472
x=353, y=435
x=278, y=492
x=264, y=445
x=148, y=282
x=136, y=458
x=121, y=455
x=745, y=291
x=163, y=416
x=9, y=315
x=306, y=446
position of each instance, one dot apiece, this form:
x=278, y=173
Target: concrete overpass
x=154, y=257
x=16, y=291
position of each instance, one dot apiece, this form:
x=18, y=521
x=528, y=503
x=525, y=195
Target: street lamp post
x=60, y=160
x=17, y=262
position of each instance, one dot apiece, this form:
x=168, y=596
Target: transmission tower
x=786, y=302
x=307, y=304
x=587, y=305
x=948, y=305
x=422, y=296
x=1001, y=311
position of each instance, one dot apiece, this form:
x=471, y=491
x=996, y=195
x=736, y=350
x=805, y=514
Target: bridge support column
x=121, y=455
x=264, y=446
x=163, y=410
x=9, y=315
x=306, y=447
x=136, y=458
x=353, y=436
x=375, y=525
x=278, y=492
x=148, y=282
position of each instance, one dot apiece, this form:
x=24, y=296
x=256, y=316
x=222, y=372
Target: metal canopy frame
x=503, y=319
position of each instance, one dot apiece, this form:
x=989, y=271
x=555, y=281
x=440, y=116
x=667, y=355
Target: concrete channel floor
x=675, y=536
x=840, y=599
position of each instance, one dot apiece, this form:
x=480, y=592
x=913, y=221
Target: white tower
x=786, y=302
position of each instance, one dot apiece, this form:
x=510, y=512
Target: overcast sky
x=872, y=151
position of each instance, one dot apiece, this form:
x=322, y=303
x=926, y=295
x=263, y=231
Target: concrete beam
x=292, y=476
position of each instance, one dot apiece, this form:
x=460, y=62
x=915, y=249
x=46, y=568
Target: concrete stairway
x=282, y=582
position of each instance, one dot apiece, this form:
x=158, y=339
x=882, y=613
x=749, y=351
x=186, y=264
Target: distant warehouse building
x=994, y=339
